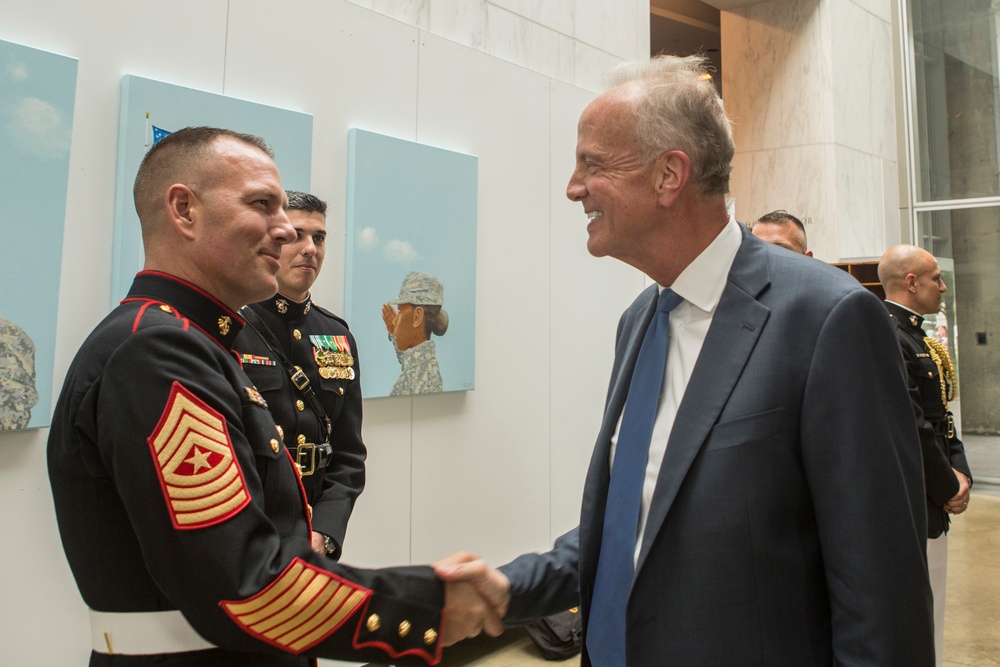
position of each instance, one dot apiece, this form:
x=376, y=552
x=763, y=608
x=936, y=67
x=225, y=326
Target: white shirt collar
x=702, y=281
x=904, y=307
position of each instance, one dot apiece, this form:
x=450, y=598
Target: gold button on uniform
x=297, y=334
x=299, y=405
x=430, y=637
x=281, y=432
x=275, y=445
x=301, y=439
x=165, y=308
x=341, y=391
x=373, y=623
x=404, y=628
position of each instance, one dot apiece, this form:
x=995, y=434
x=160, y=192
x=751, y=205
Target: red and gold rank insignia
x=299, y=609
x=201, y=479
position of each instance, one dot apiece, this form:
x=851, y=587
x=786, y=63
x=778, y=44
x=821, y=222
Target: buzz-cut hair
x=175, y=151
x=303, y=201
x=780, y=217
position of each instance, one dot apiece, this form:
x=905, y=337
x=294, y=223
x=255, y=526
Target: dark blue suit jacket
x=788, y=522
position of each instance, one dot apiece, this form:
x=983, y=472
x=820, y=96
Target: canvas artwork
x=411, y=264
x=151, y=110
x=37, y=89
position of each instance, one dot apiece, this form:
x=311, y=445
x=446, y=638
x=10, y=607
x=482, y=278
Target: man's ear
x=911, y=282
x=418, y=316
x=673, y=171
x=183, y=208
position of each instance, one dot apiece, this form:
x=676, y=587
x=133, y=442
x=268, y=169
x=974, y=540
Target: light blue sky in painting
x=37, y=91
x=410, y=207
x=170, y=107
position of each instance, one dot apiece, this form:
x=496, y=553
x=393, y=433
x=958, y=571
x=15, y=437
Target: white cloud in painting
x=367, y=239
x=37, y=128
x=17, y=72
x=399, y=252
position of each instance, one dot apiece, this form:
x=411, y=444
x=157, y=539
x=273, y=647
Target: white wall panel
x=488, y=448
x=587, y=297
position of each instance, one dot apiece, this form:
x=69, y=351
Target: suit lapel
x=736, y=326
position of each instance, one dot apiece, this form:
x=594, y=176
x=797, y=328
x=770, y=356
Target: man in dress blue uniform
x=913, y=288
x=179, y=507
x=320, y=416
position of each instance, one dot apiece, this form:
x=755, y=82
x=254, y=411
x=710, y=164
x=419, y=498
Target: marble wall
x=809, y=85
x=573, y=41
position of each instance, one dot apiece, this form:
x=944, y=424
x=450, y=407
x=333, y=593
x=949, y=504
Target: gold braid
x=946, y=369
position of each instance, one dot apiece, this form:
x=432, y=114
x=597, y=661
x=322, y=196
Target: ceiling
x=686, y=27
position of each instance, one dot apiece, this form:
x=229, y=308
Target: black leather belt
x=944, y=427
x=311, y=457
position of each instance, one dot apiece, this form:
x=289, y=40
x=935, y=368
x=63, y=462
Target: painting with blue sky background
x=37, y=90
x=151, y=109
x=411, y=209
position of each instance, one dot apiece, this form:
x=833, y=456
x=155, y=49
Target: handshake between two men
x=476, y=597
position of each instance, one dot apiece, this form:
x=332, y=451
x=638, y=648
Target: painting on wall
x=411, y=264
x=37, y=89
x=151, y=110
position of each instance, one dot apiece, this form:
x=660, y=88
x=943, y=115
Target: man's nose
x=575, y=189
x=281, y=229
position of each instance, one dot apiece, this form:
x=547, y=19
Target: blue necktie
x=615, y=567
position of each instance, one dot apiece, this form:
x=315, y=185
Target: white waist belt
x=143, y=633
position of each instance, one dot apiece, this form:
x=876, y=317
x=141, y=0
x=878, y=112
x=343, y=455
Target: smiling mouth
x=594, y=215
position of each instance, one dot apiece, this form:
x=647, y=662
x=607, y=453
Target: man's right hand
x=476, y=597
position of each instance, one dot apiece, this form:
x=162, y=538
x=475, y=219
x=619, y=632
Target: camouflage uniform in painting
x=17, y=376
x=421, y=373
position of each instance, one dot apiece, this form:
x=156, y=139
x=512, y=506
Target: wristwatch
x=329, y=545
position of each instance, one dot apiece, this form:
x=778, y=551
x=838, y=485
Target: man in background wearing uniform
x=319, y=411
x=913, y=288
x=178, y=504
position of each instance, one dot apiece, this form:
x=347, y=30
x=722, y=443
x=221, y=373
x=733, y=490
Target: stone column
x=809, y=84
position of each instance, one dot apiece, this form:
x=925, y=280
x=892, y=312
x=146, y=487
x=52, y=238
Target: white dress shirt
x=700, y=284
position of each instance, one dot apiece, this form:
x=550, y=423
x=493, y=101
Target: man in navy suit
x=781, y=518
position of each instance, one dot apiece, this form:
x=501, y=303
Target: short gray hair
x=679, y=108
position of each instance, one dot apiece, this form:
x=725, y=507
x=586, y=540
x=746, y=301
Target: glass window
x=966, y=243
x=955, y=93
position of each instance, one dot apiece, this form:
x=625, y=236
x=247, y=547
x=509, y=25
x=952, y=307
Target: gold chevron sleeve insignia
x=299, y=609
x=200, y=476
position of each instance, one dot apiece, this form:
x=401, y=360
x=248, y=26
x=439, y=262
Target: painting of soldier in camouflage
x=402, y=251
x=411, y=318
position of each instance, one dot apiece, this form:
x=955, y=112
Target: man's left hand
x=960, y=502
